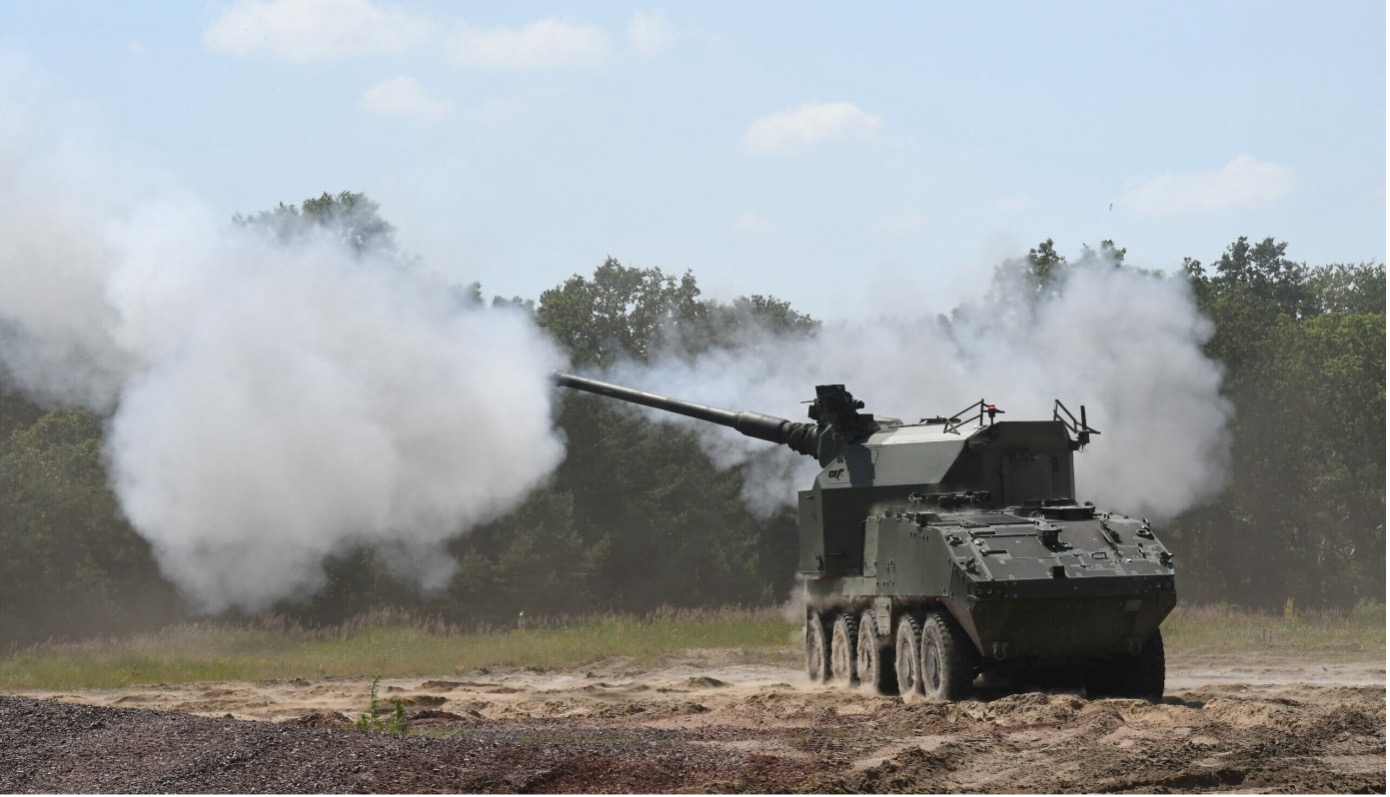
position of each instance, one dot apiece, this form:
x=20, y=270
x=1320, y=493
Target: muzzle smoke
x=273, y=404
x=269, y=404
x=1126, y=344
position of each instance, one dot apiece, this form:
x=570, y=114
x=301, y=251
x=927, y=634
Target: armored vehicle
x=939, y=551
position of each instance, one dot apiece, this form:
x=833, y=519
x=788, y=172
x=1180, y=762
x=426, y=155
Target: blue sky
x=841, y=157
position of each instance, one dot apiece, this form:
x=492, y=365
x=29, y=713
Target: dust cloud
x=1123, y=342
x=268, y=403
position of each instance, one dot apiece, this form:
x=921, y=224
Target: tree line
x=1303, y=350
x=636, y=517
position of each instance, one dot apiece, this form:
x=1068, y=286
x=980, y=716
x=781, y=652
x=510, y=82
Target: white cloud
x=1241, y=183
x=314, y=30
x=808, y=126
x=751, y=222
x=548, y=44
x=651, y=32
x=403, y=96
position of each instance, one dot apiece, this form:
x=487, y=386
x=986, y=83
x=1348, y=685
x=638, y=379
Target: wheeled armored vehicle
x=936, y=552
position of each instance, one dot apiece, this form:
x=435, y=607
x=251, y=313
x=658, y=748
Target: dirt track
x=703, y=724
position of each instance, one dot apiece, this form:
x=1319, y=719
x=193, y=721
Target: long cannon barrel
x=800, y=437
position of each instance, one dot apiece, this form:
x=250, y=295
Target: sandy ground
x=1227, y=723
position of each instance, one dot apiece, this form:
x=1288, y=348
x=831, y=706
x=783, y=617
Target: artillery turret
x=937, y=551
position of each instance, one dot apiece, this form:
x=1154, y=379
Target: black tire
x=1099, y=679
x=1143, y=678
x=1139, y=677
x=874, y=657
x=948, y=662
x=844, y=637
x=908, y=661
x=817, y=648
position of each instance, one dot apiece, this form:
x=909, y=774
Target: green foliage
x=674, y=528
x=1304, y=350
x=636, y=516
x=645, y=519
x=357, y=583
x=1044, y=266
x=534, y=560
x=371, y=721
x=1044, y=260
x=69, y=563
x=621, y=313
x=732, y=325
x=1343, y=288
x=16, y=412
x=352, y=217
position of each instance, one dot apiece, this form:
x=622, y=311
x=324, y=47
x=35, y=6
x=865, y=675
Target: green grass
x=394, y=645
x=388, y=644
x=1227, y=629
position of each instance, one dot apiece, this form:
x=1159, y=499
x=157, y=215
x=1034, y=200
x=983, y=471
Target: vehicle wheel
x=817, y=648
x=1139, y=676
x=874, y=657
x=1144, y=674
x=844, y=635
x=1099, y=678
x=948, y=663
x=907, y=662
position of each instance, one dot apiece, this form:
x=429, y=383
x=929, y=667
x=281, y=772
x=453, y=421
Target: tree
x=1043, y=260
x=671, y=527
x=1044, y=266
x=621, y=313
x=69, y=563
x=16, y=411
x=1109, y=254
x=352, y=217
x=1304, y=351
x=534, y=560
x=1347, y=288
x=750, y=317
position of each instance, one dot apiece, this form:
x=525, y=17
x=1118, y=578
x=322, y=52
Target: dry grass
x=392, y=644
x=396, y=645
x=1229, y=629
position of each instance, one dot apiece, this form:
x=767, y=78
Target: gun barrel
x=799, y=436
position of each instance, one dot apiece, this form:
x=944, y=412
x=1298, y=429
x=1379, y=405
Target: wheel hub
x=933, y=673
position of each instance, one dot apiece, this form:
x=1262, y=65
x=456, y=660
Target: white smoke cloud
x=270, y=404
x=1125, y=344
x=54, y=318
